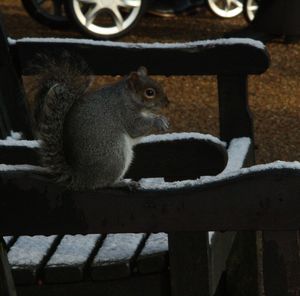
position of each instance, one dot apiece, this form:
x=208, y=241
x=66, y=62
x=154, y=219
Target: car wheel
x=226, y=8
x=47, y=12
x=105, y=19
x=250, y=9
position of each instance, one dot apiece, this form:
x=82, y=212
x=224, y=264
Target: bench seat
x=45, y=261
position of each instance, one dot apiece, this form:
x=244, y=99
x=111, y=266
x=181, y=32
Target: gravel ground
x=274, y=96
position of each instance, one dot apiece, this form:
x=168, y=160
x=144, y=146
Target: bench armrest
x=264, y=197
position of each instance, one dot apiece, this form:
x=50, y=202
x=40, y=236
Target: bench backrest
x=231, y=60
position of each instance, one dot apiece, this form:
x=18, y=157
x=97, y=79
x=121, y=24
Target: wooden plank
x=28, y=254
x=281, y=263
x=235, y=118
x=242, y=270
x=5, y=125
x=173, y=157
x=18, y=155
x=146, y=285
x=189, y=263
x=116, y=255
x=154, y=255
x=225, y=203
x=240, y=153
x=7, y=287
x=70, y=258
x=12, y=93
x=200, y=58
x=220, y=248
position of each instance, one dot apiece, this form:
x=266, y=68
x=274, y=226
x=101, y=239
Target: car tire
x=57, y=19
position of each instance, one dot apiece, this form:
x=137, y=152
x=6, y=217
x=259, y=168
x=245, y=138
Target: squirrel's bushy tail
x=59, y=85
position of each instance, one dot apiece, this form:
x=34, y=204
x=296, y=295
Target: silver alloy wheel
x=226, y=8
x=251, y=8
x=87, y=11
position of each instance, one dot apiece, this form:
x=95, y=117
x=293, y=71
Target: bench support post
x=281, y=263
x=235, y=117
x=7, y=287
x=189, y=263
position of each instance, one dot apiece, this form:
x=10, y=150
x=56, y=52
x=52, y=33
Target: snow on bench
x=69, y=260
x=153, y=256
x=114, y=258
x=27, y=255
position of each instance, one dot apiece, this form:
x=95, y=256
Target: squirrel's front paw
x=161, y=123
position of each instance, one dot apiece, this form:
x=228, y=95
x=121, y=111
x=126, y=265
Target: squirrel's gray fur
x=87, y=137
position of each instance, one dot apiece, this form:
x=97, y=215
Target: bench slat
x=164, y=156
x=199, y=58
x=70, y=258
x=153, y=257
x=146, y=285
x=28, y=254
x=114, y=258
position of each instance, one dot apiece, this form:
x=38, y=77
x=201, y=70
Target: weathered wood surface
x=28, y=254
x=178, y=159
x=265, y=200
x=18, y=155
x=146, y=285
x=235, y=117
x=115, y=257
x=197, y=59
x=70, y=259
x=188, y=257
x=7, y=287
x=13, y=106
x=154, y=255
x=281, y=263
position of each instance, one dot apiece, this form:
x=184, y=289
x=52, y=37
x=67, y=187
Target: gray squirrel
x=88, y=136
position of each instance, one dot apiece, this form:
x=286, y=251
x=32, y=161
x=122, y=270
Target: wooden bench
x=151, y=262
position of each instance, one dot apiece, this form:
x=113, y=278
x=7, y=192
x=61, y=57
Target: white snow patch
x=29, y=250
x=11, y=41
x=182, y=45
x=22, y=167
x=237, y=152
x=73, y=250
x=118, y=247
x=11, y=141
x=156, y=243
x=222, y=176
x=15, y=135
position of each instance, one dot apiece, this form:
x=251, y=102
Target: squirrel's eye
x=150, y=93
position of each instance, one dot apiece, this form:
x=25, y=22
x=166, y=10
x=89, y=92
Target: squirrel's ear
x=133, y=78
x=142, y=71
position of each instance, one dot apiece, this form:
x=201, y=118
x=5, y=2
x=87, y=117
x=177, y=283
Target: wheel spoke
x=117, y=17
x=253, y=8
x=91, y=15
x=129, y=3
